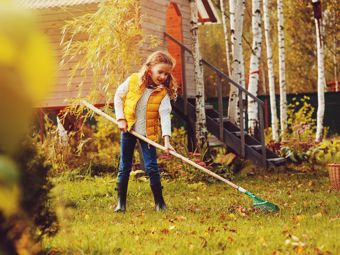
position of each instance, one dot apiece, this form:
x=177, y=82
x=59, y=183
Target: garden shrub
x=301, y=135
x=33, y=217
x=94, y=150
x=326, y=152
x=91, y=148
x=35, y=187
x=298, y=145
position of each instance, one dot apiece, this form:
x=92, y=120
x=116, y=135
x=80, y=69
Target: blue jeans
x=127, y=146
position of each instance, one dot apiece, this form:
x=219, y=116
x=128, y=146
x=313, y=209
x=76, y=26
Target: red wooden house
x=169, y=20
x=158, y=17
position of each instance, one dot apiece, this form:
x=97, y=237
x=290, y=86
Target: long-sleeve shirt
x=140, y=124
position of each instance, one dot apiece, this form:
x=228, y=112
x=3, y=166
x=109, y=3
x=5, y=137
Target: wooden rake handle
x=161, y=147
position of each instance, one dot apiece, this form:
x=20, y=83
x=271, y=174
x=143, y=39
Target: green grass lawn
x=201, y=219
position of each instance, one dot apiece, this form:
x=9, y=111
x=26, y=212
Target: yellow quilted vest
x=152, y=115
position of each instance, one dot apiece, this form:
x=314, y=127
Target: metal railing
x=241, y=92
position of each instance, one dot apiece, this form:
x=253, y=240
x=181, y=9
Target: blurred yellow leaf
x=27, y=52
x=7, y=52
x=40, y=76
x=8, y=171
x=9, y=197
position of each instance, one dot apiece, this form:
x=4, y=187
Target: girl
x=140, y=102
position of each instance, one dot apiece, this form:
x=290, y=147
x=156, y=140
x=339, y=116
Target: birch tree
x=254, y=65
x=282, y=69
x=226, y=34
x=201, y=129
x=335, y=64
x=321, y=70
x=236, y=9
x=271, y=80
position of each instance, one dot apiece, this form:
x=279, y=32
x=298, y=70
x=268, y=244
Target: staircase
x=236, y=138
x=231, y=135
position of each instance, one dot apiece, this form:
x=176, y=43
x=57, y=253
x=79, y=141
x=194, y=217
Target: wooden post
x=241, y=124
x=261, y=130
x=220, y=105
x=184, y=85
x=192, y=142
x=266, y=112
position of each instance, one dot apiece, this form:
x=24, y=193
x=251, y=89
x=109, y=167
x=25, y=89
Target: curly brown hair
x=159, y=57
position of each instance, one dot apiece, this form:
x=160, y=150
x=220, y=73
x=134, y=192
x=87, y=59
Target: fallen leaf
x=204, y=242
x=318, y=215
x=165, y=231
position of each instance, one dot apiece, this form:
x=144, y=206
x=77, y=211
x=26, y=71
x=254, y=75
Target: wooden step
x=231, y=128
x=256, y=147
x=277, y=161
x=214, y=142
x=237, y=133
x=225, y=119
x=209, y=107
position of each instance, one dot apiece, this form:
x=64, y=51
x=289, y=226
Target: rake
x=258, y=203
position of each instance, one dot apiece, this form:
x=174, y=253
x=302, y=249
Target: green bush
x=327, y=152
x=29, y=214
x=300, y=136
x=90, y=149
x=35, y=187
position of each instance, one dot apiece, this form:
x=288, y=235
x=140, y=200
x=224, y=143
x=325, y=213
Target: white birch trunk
x=233, y=96
x=321, y=78
x=271, y=80
x=232, y=7
x=282, y=69
x=226, y=35
x=237, y=66
x=253, y=122
x=263, y=73
x=201, y=129
x=240, y=7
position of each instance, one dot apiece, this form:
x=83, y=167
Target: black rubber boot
x=121, y=191
x=158, y=196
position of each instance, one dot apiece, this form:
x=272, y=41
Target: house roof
x=41, y=4
x=206, y=10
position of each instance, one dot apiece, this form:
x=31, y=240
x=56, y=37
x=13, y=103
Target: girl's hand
x=122, y=125
x=168, y=148
x=167, y=145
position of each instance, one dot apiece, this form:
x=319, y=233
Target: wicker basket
x=334, y=175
